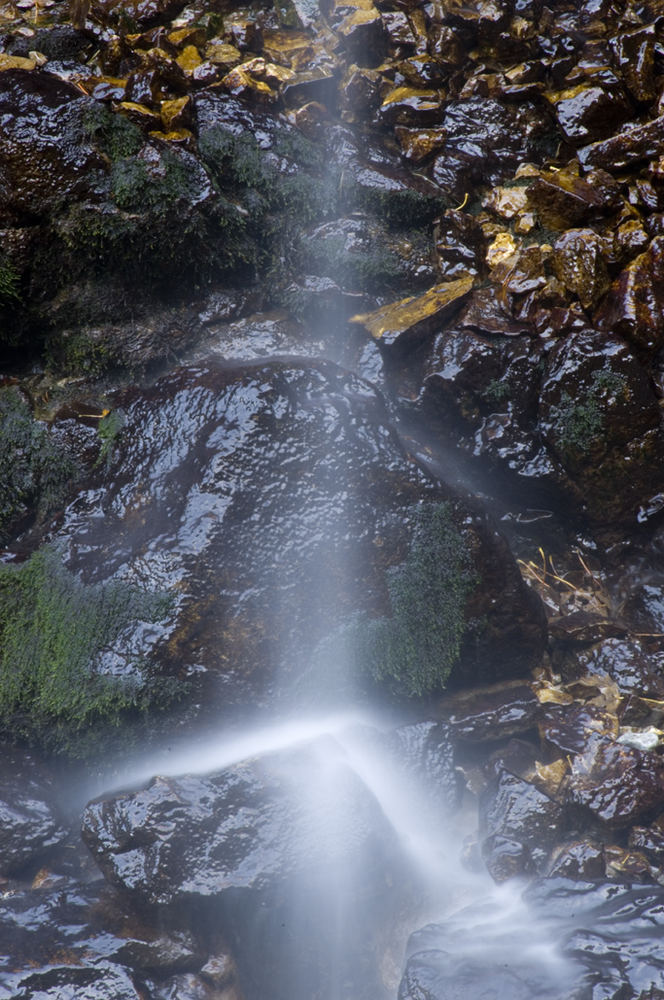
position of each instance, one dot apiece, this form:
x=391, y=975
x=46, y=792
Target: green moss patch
x=415, y=650
x=581, y=422
x=53, y=630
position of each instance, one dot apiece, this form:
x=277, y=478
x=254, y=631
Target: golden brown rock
x=579, y=262
x=419, y=143
x=411, y=107
x=562, y=198
x=176, y=114
x=402, y=325
x=362, y=33
x=189, y=59
x=139, y=114
x=241, y=83
x=223, y=54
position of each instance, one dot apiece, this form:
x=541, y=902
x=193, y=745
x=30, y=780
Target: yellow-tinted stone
x=223, y=54
x=179, y=135
x=139, y=113
x=501, y=249
x=418, y=143
x=191, y=35
x=176, y=114
x=241, y=83
x=506, y=202
x=410, y=320
x=15, y=62
x=189, y=59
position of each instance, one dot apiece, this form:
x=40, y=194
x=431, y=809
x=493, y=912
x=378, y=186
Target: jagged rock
x=308, y=434
x=579, y=261
x=617, y=783
x=635, y=56
x=562, y=199
x=485, y=141
x=582, y=860
x=489, y=714
x=636, y=143
x=625, y=661
x=592, y=111
x=634, y=305
x=519, y=825
x=79, y=938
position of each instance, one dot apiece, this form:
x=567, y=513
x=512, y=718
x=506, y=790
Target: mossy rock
x=413, y=651
x=54, y=633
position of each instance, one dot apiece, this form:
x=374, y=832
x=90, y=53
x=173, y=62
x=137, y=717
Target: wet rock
x=633, y=307
x=79, y=939
x=274, y=424
x=411, y=107
x=418, y=144
x=361, y=255
x=634, y=53
x=422, y=753
x=617, y=783
x=626, y=866
x=582, y=860
x=30, y=824
x=401, y=326
x=565, y=728
x=36, y=164
x=600, y=419
x=489, y=714
x=259, y=847
x=460, y=246
x=579, y=262
x=485, y=141
x=191, y=838
x=629, y=665
x=592, y=111
x=139, y=14
x=484, y=386
x=362, y=33
x=562, y=199
x=614, y=946
x=649, y=840
x=633, y=145
x=519, y=826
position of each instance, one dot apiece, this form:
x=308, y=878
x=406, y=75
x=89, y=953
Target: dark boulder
x=617, y=783
x=271, y=499
x=273, y=849
x=601, y=421
x=519, y=825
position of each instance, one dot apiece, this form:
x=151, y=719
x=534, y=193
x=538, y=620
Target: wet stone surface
x=234, y=485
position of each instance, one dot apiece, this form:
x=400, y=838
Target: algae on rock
x=53, y=632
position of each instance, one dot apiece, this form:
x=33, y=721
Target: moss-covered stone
x=35, y=472
x=414, y=650
x=53, y=631
x=582, y=419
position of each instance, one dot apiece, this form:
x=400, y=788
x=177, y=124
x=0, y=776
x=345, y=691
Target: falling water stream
x=487, y=925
